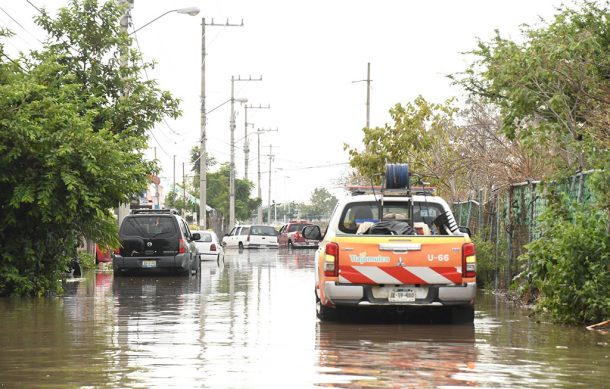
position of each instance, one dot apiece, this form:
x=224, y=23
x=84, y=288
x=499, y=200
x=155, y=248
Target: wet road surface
x=249, y=322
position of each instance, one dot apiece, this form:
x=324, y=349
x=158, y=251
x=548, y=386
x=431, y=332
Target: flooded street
x=249, y=322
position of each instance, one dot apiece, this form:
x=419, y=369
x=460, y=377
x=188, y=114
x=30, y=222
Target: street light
x=123, y=209
x=192, y=11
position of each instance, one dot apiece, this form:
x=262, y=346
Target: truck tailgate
x=393, y=260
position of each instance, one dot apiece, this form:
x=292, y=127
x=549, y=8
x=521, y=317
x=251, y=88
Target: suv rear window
x=149, y=226
x=262, y=230
x=296, y=227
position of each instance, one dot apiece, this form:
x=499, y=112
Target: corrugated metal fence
x=506, y=219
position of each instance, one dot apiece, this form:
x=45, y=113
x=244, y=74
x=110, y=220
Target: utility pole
x=232, y=166
x=246, y=143
x=123, y=209
x=260, y=195
x=368, y=94
x=174, y=185
x=156, y=185
x=203, y=158
x=269, y=199
x=183, y=190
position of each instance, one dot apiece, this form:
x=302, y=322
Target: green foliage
x=321, y=205
x=569, y=264
x=175, y=200
x=552, y=89
x=486, y=260
x=86, y=260
x=421, y=135
x=218, y=193
x=72, y=131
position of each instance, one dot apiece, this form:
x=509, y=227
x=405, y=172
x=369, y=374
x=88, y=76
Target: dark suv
x=154, y=240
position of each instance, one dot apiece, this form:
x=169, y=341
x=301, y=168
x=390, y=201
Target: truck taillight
x=469, y=261
x=182, y=247
x=117, y=251
x=248, y=238
x=331, y=260
x=213, y=247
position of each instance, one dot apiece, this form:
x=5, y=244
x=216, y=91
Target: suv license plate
x=148, y=263
x=401, y=295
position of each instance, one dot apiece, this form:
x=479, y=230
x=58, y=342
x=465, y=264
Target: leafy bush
x=569, y=263
x=486, y=260
x=86, y=260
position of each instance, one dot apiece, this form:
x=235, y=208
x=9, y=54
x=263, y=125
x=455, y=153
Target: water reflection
x=394, y=355
x=249, y=322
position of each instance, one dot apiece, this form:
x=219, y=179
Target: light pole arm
x=190, y=11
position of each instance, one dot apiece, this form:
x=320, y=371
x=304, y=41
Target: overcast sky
x=309, y=54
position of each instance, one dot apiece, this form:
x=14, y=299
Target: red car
x=102, y=254
x=290, y=235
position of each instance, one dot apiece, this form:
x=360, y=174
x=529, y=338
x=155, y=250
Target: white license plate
x=148, y=263
x=401, y=295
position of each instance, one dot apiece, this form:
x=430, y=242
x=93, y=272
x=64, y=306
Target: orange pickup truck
x=395, y=248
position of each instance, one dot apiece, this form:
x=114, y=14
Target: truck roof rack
x=404, y=192
x=141, y=211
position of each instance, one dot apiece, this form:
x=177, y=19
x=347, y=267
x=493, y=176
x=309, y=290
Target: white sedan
x=209, y=246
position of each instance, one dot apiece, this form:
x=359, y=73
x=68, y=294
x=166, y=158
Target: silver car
x=251, y=236
x=209, y=246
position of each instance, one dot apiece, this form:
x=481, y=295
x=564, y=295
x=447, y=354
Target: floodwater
x=249, y=322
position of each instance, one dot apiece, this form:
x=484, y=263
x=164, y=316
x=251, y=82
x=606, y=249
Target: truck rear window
x=358, y=213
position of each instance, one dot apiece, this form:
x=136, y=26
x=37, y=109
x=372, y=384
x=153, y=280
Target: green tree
x=73, y=119
x=321, y=204
x=218, y=193
x=423, y=135
x=552, y=89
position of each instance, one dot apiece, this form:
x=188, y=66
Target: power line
x=19, y=24
x=36, y=8
x=10, y=59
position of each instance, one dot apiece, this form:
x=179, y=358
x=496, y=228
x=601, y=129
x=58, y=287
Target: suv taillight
x=331, y=260
x=213, y=247
x=117, y=251
x=469, y=261
x=182, y=247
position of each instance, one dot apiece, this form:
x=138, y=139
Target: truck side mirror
x=312, y=232
x=465, y=230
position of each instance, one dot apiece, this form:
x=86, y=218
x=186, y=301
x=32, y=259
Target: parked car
x=251, y=236
x=208, y=246
x=156, y=240
x=290, y=235
x=102, y=254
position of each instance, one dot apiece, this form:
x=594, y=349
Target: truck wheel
x=240, y=246
x=462, y=314
x=325, y=313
